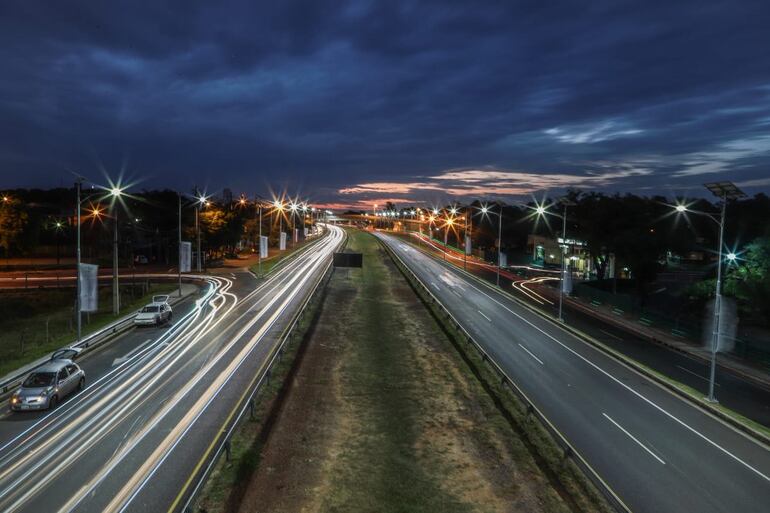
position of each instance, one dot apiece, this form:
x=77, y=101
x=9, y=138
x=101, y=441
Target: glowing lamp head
x=484, y=210
x=116, y=192
x=435, y=211
x=732, y=257
x=540, y=210
x=681, y=208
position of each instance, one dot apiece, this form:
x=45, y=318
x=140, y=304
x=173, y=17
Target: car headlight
x=14, y=399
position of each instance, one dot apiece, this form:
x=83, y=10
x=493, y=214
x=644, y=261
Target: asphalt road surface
x=743, y=396
x=656, y=451
x=154, y=400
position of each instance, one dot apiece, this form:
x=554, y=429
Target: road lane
x=128, y=442
x=708, y=465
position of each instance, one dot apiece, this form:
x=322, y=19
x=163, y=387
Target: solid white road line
x=632, y=437
x=623, y=385
x=484, y=316
x=530, y=354
x=696, y=375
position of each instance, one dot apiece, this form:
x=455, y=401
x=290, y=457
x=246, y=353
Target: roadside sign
x=185, y=256
x=89, y=293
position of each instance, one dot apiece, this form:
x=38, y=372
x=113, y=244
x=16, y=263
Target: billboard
x=263, y=246
x=282, y=244
x=185, y=256
x=89, y=290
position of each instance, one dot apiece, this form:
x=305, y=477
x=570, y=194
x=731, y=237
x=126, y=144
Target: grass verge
x=37, y=321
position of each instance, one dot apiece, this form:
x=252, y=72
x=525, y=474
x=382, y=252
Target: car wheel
x=53, y=402
x=81, y=384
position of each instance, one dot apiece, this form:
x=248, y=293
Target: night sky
x=359, y=102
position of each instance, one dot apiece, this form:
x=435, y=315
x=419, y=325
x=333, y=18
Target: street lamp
x=115, y=193
x=542, y=210
x=202, y=202
x=725, y=191
x=485, y=211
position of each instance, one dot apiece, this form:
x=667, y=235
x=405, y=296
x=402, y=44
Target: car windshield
x=39, y=380
x=150, y=309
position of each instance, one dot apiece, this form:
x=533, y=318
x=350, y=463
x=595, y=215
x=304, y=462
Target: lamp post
x=725, y=191
x=115, y=193
x=485, y=210
x=202, y=201
x=566, y=202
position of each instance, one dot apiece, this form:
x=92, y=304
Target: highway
x=155, y=399
x=750, y=399
x=656, y=451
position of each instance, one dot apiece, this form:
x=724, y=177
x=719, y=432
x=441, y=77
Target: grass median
x=382, y=414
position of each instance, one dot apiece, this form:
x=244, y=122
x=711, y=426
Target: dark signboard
x=348, y=260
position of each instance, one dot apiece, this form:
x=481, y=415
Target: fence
x=568, y=450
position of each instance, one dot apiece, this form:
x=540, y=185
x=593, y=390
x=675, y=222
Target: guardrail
x=221, y=444
x=568, y=450
x=86, y=344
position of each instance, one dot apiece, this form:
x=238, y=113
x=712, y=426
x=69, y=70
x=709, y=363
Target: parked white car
x=154, y=314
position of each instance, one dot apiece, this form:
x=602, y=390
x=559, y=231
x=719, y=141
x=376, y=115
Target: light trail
x=52, y=446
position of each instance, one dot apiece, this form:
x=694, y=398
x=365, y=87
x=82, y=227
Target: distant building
x=545, y=252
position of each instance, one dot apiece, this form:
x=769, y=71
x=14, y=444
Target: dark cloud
x=337, y=95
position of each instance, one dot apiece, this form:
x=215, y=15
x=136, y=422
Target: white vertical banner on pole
x=185, y=257
x=296, y=234
x=467, y=244
x=306, y=233
x=503, y=259
x=282, y=244
x=89, y=291
x=263, y=246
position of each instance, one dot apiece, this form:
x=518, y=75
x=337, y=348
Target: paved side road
x=657, y=452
